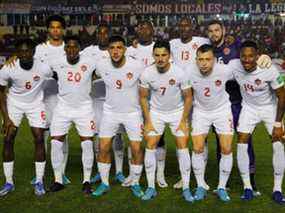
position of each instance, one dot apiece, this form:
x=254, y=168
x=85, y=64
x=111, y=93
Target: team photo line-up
x=108, y=89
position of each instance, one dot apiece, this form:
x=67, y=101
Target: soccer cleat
x=120, y=177
x=187, y=195
x=102, y=189
x=127, y=182
x=65, y=180
x=86, y=188
x=39, y=189
x=200, y=193
x=96, y=178
x=223, y=195
x=247, y=195
x=7, y=188
x=278, y=197
x=149, y=194
x=33, y=181
x=161, y=181
x=55, y=187
x=178, y=185
x=137, y=191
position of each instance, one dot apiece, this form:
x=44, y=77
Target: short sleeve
x=185, y=82
x=144, y=80
x=277, y=79
x=231, y=67
x=4, y=75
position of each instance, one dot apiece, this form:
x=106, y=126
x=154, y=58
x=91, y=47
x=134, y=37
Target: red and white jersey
x=74, y=81
x=257, y=86
x=121, y=85
x=48, y=53
x=185, y=54
x=165, y=88
x=26, y=86
x=209, y=91
x=143, y=53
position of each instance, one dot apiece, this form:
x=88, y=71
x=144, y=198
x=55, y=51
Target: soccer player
x=120, y=75
x=74, y=75
x=263, y=99
x=143, y=51
x=211, y=107
x=170, y=103
x=25, y=97
x=99, y=52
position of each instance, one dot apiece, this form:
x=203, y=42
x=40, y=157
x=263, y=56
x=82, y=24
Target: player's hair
x=162, y=44
x=117, y=38
x=29, y=42
x=249, y=43
x=104, y=24
x=57, y=18
x=186, y=18
x=215, y=21
x=146, y=22
x=73, y=38
x=205, y=48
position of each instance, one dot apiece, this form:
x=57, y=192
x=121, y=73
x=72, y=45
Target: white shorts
x=160, y=120
x=50, y=104
x=132, y=122
x=35, y=113
x=250, y=117
x=82, y=117
x=221, y=119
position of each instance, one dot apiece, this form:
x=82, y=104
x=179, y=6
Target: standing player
x=74, y=74
x=170, y=103
x=25, y=97
x=143, y=51
x=263, y=96
x=99, y=52
x=120, y=75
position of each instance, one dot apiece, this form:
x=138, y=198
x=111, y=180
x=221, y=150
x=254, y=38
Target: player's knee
x=243, y=138
x=198, y=149
x=226, y=150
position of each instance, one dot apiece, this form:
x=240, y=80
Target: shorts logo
x=226, y=51
x=218, y=83
x=36, y=77
x=172, y=82
x=130, y=75
x=83, y=68
x=257, y=82
x=195, y=46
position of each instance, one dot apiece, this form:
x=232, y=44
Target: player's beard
x=120, y=62
x=73, y=60
x=27, y=64
x=219, y=42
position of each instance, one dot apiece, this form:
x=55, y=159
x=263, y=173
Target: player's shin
x=87, y=159
x=118, y=149
x=184, y=166
x=65, y=149
x=226, y=164
x=243, y=164
x=278, y=165
x=150, y=166
x=57, y=159
x=198, y=165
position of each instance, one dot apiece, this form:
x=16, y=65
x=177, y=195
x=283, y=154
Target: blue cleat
x=39, y=189
x=278, y=197
x=137, y=191
x=149, y=194
x=65, y=180
x=223, y=195
x=200, y=193
x=247, y=195
x=96, y=178
x=120, y=177
x=102, y=189
x=187, y=195
x=7, y=188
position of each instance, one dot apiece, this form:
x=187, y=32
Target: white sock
x=130, y=158
x=104, y=170
x=243, y=164
x=160, y=158
x=150, y=166
x=46, y=137
x=8, y=168
x=96, y=146
x=136, y=171
x=226, y=165
x=198, y=165
x=40, y=171
x=118, y=149
x=184, y=166
x=57, y=159
x=65, y=149
x=87, y=159
x=278, y=165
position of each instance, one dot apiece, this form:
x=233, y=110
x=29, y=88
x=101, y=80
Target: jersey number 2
x=74, y=77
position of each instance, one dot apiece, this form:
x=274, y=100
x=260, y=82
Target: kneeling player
x=25, y=97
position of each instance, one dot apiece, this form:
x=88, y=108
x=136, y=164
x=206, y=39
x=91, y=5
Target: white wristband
x=277, y=124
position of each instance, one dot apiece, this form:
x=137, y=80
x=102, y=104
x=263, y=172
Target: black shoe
x=55, y=187
x=86, y=188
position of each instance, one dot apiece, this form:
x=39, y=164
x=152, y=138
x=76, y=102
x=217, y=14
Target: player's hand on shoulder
x=11, y=61
x=264, y=61
x=277, y=134
x=148, y=128
x=184, y=127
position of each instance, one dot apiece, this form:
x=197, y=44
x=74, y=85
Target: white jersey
x=165, y=88
x=121, y=85
x=209, y=91
x=48, y=53
x=143, y=53
x=256, y=87
x=26, y=86
x=94, y=52
x=74, y=81
x=185, y=54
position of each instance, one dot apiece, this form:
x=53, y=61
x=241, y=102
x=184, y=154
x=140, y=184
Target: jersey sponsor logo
x=227, y=51
x=257, y=82
x=36, y=77
x=129, y=75
x=83, y=68
x=218, y=83
x=172, y=82
x=195, y=46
